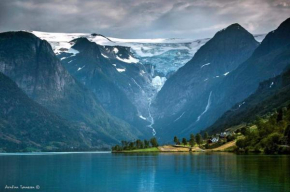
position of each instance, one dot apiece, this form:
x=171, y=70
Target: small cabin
x=213, y=140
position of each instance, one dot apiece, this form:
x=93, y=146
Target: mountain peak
x=100, y=35
x=233, y=36
x=285, y=23
x=235, y=26
x=235, y=29
x=275, y=39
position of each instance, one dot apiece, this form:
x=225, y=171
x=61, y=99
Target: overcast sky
x=142, y=18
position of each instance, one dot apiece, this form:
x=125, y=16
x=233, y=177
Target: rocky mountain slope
x=192, y=84
x=271, y=94
x=31, y=63
x=143, y=66
x=110, y=73
x=100, y=89
x=25, y=125
x=269, y=60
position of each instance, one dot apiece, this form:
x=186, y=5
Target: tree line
x=138, y=144
x=197, y=139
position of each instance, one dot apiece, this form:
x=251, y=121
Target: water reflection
x=147, y=172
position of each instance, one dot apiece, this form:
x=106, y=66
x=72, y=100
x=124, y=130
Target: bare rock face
x=31, y=63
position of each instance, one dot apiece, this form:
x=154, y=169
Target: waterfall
x=151, y=119
x=206, y=108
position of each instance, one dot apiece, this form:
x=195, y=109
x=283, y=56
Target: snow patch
x=204, y=65
x=142, y=72
x=104, y=56
x=226, y=73
x=80, y=68
x=142, y=117
x=121, y=70
x=271, y=84
x=129, y=60
x=73, y=51
x=242, y=104
x=115, y=50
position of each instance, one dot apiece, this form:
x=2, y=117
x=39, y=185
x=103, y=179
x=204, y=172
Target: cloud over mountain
x=142, y=18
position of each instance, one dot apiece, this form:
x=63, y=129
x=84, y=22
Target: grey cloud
x=142, y=18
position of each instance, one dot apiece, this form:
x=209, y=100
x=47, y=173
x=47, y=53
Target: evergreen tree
x=176, y=140
x=198, y=139
x=184, y=141
x=154, y=142
x=192, y=140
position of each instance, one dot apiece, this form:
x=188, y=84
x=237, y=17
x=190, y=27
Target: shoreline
x=52, y=153
x=180, y=149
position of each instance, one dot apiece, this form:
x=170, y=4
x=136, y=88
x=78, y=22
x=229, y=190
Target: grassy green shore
x=151, y=149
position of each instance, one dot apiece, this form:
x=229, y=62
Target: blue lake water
x=86, y=172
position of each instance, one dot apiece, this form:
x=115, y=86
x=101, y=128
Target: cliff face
x=31, y=63
x=25, y=125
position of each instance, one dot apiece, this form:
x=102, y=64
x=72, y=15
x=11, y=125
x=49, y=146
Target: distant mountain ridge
x=167, y=55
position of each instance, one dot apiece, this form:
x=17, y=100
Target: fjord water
x=77, y=172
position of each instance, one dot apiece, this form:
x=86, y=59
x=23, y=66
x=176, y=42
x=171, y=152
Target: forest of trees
x=272, y=136
x=138, y=144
